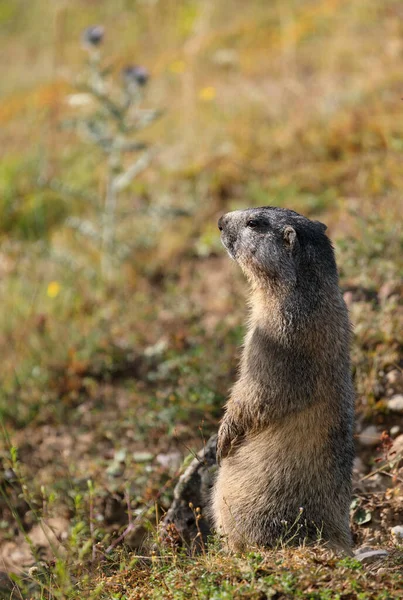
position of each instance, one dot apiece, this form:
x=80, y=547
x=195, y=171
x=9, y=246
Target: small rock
x=50, y=533
x=157, y=349
x=393, y=376
x=10, y=475
x=120, y=456
x=394, y=379
x=370, y=556
x=115, y=469
x=171, y=460
x=370, y=436
x=394, y=431
x=17, y=556
x=397, y=532
x=358, y=465
x=142, y=457
x=396, y=403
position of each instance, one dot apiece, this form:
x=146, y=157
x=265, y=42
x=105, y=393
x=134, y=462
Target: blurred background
x=121, y=315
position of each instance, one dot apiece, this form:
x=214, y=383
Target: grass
x=312, y=574
x=107, y=385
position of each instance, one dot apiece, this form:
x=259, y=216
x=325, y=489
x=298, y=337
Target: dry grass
x=295, y=104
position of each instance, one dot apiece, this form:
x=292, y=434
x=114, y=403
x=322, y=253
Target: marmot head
x=278, y=246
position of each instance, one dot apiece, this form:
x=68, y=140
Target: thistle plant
x=112, y=125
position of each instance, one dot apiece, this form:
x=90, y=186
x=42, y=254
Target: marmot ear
x=290, y=236
x=321, y=226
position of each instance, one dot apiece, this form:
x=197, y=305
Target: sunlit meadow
x=122, y=317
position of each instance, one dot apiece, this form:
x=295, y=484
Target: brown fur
x=285, y=443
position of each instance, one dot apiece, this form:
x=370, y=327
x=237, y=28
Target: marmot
x=285, y=444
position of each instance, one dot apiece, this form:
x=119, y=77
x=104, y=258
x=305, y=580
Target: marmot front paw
x=228, y=436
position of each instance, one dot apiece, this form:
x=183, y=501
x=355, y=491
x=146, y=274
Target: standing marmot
x=285, y=443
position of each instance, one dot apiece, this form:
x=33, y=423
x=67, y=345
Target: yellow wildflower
x=53, y=289
x=207, y=94
x=177, y=67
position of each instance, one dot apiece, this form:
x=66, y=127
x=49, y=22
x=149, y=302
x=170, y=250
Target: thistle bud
x=135, y=75
x=93, y=36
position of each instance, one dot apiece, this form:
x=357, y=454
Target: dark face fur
x=276, y=245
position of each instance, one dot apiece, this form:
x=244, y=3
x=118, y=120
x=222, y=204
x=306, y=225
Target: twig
x=92, y=531
x=380, y=470
x=126, y=532
x=123, y=180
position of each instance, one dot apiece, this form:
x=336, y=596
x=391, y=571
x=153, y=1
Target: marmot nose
x=221, y=223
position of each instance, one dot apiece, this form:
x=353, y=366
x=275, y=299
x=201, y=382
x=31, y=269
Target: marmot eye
x=252, y=223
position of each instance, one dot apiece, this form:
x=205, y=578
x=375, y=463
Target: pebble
x=394, y=382
x=358, y=465
x=142, y=457
x=394, y=377
x=397, y=532
x=396, y=403
x=370, y=556
x=395, y=430
x=370, y=436
x=171, y=460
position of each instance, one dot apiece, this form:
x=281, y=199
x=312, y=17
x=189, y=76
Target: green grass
x=309, y=574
